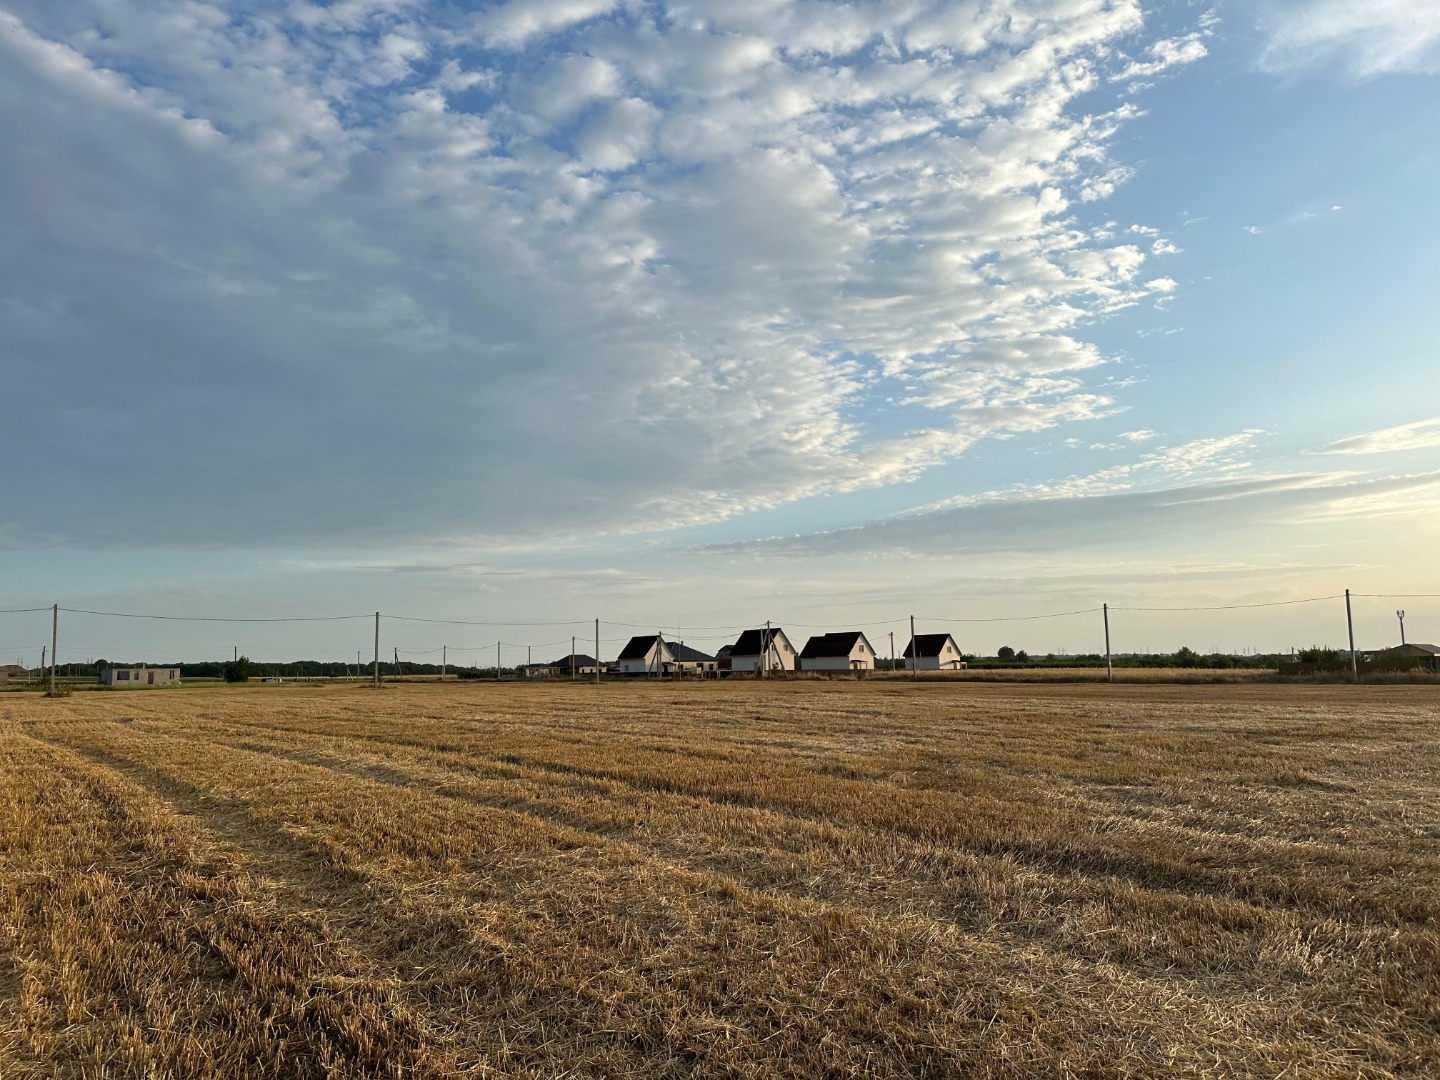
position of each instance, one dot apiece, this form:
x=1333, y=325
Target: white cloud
x=1370, y=38
x=1191, y=514
x=546, y=269
x=1421, y=435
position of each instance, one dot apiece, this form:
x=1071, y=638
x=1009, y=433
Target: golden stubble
x=802, y=879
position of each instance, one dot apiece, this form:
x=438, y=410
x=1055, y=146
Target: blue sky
x=704, y=313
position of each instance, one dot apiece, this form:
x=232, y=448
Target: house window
x=123, y=676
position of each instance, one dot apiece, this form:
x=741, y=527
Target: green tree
x=1005, y=653
x=238, y=670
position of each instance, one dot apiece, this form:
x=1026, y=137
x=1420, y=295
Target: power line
x=1396, y=596
x=1011, y=618
x=1232, y=607
x=210, y=619
x=466, y=622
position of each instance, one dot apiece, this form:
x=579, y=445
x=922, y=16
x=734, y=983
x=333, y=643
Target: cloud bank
x=1421, y=435
x=1373, y=37
x=382, y=270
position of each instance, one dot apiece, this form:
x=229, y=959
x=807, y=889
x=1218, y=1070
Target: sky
x=701, y=313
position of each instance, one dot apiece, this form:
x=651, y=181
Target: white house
x=139, y=676
x=847, y=650
x=647, y=654
x=933, y=652
x=688, y=661
x=762, y=650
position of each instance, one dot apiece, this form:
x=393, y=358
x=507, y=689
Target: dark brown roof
x=686, y=653
x=928, y=644
x=839, y=643
x=581, y=661
x=638, y=648
x=754, y=642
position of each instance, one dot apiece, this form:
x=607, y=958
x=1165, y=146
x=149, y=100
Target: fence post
x=1350, y=625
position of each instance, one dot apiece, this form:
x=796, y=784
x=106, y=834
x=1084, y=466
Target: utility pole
x=769, y=643
x=1350, y=624
x=892, y=650
x=444, y=656
x=377, y=650
x=914, y=651
x=397, y=661
x=235, y=654
x=497, y=661
x=1109, y=667
x=659, y=652
x=54, y=635
x=1401, y=616
x=597, y=652
x=572, y=657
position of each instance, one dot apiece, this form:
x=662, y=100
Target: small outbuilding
x=844, y=650
x=765, y=649
x=139, y=676
x=933, y=652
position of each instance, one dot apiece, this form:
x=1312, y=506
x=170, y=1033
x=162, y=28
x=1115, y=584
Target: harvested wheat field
x=743, y=880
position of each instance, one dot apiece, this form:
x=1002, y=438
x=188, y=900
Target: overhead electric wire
x=1010, y=618
x=213, y=619
x=1235, y=607
x=467, y=622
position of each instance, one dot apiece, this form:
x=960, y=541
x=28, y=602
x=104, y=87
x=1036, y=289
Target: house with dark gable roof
x=766, y=649
x=652, y=654
x=644, y=654
x=933, y=652
x=844, y=650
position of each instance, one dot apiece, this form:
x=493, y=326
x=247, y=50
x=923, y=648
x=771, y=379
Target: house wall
x=645, y=665
x=826, y=663
x=780, y=657
x=139, y=676
x=948, y=660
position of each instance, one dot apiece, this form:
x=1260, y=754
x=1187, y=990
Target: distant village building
x=1422, y=657
x=688, y=661
x=139, y=676
x=652, y=654
x=579, y=664
x=933, y=652
x=845, y=650
x=645, y=654
x=766, y=649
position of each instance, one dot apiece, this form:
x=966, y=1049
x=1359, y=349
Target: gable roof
x=581, y=660
x=684, y=652
x=754, y=642
x=1415, y=648
x=839, y=643
x=929, y=644
x=638, y=648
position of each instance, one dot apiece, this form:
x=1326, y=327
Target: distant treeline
x=294, y=669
